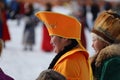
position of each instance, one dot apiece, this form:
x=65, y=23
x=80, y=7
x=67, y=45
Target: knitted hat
x=61, y=25
x=107, y=26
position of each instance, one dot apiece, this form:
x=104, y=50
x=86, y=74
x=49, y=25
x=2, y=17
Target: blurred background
x=27, y=49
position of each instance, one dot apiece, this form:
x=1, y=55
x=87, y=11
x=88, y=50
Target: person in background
x=50, y=74
x=4, y=30
x=46, y=46
x=3, y=76
x=80, y=14
x=72, y=58
x=29, y=30
x=106, y=43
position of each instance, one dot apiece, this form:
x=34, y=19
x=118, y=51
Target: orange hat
x=60, y=24
x=107, y=26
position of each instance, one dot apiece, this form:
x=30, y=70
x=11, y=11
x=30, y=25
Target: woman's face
x=58, y=43
x=98, y=44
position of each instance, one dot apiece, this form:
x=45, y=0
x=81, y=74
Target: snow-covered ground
x=27, y=65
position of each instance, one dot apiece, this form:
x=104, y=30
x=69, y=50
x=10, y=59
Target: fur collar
x=107, y=52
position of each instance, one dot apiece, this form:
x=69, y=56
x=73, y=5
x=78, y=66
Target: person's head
x=106, y=30
x=0, y=47
x=60, y=43
x=2, y=5
x=28, y=8
x=48, y=6
x=63, y=29
x=50, y=74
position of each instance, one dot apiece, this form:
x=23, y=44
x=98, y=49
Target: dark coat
x=29, y=31
x=46, y=46
x=3, y=76
x=107, y=64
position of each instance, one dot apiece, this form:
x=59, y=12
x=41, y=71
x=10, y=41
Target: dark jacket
x=3, y=76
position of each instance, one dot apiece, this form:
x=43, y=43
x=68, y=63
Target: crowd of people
x=63, y=32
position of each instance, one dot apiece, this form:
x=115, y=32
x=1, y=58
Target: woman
x=72, y=58
x=4, y=30
x=3, y=76
x=106, y=43
x=29, y=30
x=46, y=46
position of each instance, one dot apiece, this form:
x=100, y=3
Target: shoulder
x=77, y=56
x=111, y=69
x=112, y=61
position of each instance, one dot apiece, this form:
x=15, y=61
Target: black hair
x=48, y=6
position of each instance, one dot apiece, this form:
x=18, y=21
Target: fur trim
x=97, y=36
x=107, y=52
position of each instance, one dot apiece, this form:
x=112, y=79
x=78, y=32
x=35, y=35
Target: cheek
x=95, y=45
x=56, y=44
x=57, y=47
x=98, y=45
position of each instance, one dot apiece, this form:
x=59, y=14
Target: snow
x=27, y=65
x=20, y=64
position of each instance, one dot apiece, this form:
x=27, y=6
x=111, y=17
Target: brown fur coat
x=107, y=52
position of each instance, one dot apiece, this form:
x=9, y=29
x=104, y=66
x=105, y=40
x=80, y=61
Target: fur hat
x=50, y=74
x=107, y=26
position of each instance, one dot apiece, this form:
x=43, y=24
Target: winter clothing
x=0, y=28
x=73, y=65
x=29, y=31
x=46, y=46
x=106, y=64
x=72, y=62
x=3, y=76
x=57, y=24
x=30, y=24
x=50, y=74
x=5, y=34
x=107, y=26
x=61, y=25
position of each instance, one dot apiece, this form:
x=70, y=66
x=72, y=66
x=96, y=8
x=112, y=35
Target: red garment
x=83, y=37
x=46, y=46
x=5, y=30
x=21, y=11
